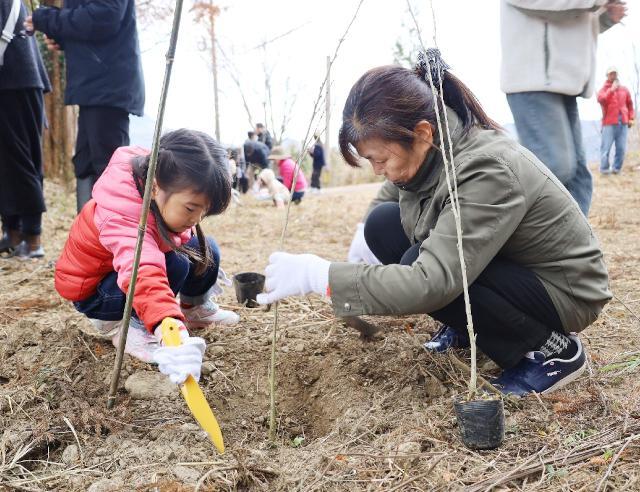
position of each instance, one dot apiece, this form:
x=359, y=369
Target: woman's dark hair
x=188, y=160
x=387, y=102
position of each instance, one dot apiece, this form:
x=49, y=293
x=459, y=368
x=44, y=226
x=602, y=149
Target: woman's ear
x=424, y=131
x=423, y=140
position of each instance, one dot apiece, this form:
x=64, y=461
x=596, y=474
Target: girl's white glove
x=179, y=362
x=359, y=251
x=294, y=275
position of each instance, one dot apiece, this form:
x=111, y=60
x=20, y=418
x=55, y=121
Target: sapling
x=305, y=143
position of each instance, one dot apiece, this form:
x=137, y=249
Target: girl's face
x=394, y=161
x=181, y=210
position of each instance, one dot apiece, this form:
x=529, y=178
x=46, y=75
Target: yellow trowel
x=192, y=393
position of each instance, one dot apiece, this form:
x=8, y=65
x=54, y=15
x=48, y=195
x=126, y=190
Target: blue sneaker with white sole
x=535, y=373
x=446, y=338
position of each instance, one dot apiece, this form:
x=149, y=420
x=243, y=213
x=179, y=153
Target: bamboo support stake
x=452, y=185
x=146, y=202
x=305, y=143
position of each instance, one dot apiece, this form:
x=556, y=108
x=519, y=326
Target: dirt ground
x=352, y=415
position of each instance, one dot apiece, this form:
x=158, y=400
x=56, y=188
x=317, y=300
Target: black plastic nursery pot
x=248, y=285
x=481, y=423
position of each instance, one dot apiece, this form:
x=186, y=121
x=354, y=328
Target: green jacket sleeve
x=492, y=205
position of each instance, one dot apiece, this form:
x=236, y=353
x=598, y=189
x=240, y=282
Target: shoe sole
x=569, y=379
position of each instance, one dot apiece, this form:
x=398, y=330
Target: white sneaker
x=104, y=329
x=203, y=315
x=140, y=343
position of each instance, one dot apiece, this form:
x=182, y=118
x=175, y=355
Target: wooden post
x=213, y=12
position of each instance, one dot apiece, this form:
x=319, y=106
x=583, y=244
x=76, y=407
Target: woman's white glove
x=294, y=275
x=359, y=251
x=179, y=362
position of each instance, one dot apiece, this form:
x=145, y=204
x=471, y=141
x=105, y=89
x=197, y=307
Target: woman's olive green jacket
x=511, y=206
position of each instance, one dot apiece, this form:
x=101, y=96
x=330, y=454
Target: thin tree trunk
x=214, y=68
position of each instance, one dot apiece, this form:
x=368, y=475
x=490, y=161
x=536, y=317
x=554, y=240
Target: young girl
x=94, y=270
x=286, y=169
x=535, y=268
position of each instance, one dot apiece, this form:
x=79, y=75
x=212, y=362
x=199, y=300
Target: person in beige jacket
x=535, y=268
x=548, y=61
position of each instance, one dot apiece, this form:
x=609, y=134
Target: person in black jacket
x=23, y=80
x=317, y=153
x=256, y=153
x=264, y=136
x=104, y=77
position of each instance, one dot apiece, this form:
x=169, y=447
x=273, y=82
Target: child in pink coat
x=94, y=270
x=286, y=168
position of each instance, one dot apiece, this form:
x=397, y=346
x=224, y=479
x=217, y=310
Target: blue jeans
x=548, y=125
x=613, y=134
x=107, y=303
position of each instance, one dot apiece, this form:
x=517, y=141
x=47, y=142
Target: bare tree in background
x=407, y=46
x=277, y=110
x=288, y=103
x=148, y=12
x=286, y=108
x=230, y=68
x=206, y=13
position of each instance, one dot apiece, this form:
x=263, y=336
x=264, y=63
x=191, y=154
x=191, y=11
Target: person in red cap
x=617, y=118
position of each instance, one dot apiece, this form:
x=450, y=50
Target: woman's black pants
x=512, y=312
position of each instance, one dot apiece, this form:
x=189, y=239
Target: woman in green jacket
x=535, y=269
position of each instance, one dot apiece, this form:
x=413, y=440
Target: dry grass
x=373, y=415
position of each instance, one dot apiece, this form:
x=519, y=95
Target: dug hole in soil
x=352, y=415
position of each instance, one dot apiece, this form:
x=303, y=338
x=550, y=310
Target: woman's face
x=394, y=161
x=181, y=210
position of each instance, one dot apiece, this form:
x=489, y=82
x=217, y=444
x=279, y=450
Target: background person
x=264, y=136
x=104, y=77
x=617, y=117
x=317, y=154
x=287, y=170
x=548, y=60
x=277, y=192
x=535, y=269
x=255, y=152
x=23, y=80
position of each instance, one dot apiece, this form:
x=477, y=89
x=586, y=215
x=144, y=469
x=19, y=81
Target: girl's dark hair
x=188, y=160
x=387, y=102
